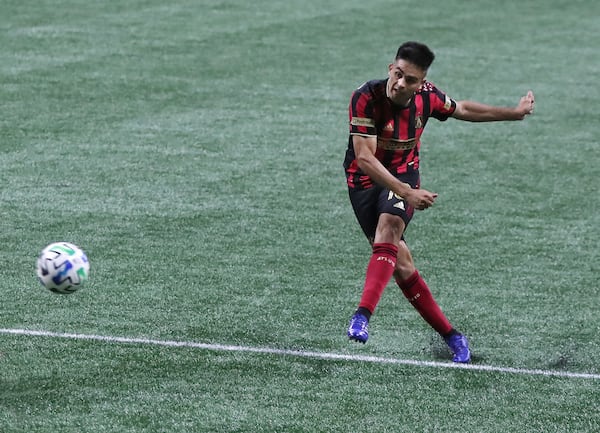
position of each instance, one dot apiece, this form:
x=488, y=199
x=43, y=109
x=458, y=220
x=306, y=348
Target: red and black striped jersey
x=398, y=129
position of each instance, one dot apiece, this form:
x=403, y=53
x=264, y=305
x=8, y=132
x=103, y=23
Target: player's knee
x=404, y=269
x=405, y=266
x=389, y=229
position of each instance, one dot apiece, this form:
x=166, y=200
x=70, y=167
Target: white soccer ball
x=62, y=267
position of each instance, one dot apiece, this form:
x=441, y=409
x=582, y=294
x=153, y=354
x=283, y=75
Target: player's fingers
x=426, y=203
x=530, y=95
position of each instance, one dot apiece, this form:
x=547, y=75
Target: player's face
x=405, y=80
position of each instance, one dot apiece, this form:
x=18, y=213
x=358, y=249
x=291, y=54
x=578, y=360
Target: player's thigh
x=364, y=203
x=369, y=204
x=390, y=229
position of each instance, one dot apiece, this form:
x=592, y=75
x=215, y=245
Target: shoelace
x=359, y=324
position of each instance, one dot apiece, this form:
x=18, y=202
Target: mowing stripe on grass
x=300, y=353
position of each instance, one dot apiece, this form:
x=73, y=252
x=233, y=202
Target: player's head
x=416, y=53
x=407, y=73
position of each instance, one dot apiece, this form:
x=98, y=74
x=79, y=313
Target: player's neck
x=400, y=104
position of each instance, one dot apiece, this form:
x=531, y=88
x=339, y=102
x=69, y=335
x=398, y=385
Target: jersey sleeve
x=442, y=106
x=362, y=120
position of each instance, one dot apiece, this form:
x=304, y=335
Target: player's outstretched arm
x=476, y=112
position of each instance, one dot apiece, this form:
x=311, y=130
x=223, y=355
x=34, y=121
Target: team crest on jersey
x=419, y=122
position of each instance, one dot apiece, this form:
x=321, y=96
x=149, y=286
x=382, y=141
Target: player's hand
x=421, y=199
x=526, y=105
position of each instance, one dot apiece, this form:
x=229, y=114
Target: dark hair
x=416, y=53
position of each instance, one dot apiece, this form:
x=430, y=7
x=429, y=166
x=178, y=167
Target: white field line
x=300, y=353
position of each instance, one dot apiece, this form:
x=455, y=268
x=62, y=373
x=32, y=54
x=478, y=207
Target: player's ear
x=391, y=70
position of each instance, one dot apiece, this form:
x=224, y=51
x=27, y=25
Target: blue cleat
x=459, y=345
x=359, y=328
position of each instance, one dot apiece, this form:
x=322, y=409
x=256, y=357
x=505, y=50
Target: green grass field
x=193, y=149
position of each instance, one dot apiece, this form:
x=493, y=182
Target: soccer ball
x=62, y=267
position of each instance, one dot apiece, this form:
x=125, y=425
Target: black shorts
x=368, y=204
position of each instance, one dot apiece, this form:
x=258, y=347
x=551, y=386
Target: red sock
x=418, y=294
x=379, y=271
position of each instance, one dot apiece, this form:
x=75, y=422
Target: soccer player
x=387, y=118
